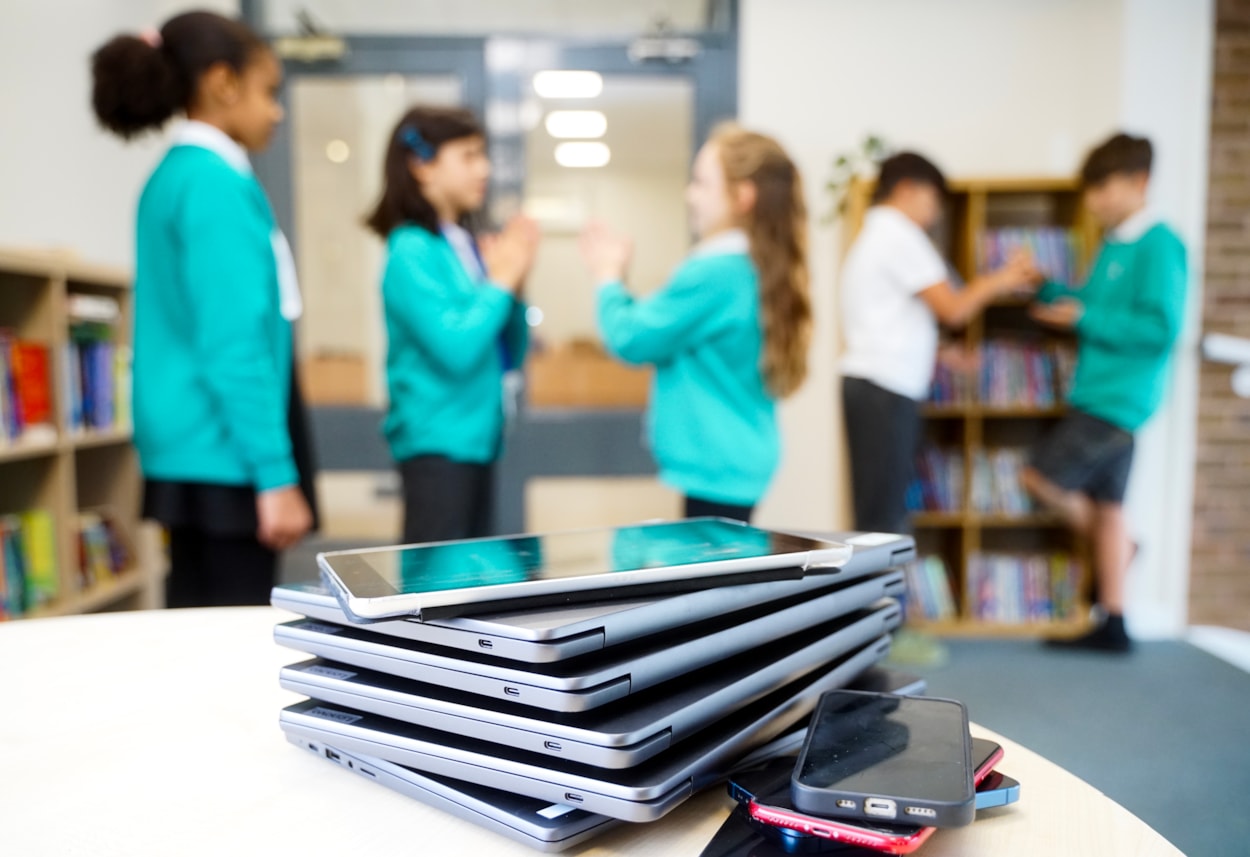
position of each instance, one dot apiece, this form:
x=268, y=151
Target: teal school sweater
x=212, y=352
x=1134, y=301
x=712, y=423
x=444, y=364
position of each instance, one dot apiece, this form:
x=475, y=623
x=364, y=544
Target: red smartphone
x=887, y=838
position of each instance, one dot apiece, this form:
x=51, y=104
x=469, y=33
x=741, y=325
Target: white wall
x=64, y=182
x=984, y=88
x=1166, y=68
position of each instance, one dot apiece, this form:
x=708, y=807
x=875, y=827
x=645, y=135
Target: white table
x=156, y=733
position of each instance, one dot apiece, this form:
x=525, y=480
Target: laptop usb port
x=485, y=644
x=512, y=691
x=573, y=798
x=554, y=746
x=330, y=754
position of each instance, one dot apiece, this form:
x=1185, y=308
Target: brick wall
x=1220, y=567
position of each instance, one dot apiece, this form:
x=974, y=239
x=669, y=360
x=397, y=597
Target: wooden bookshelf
x=66, y=472
x=970, y=427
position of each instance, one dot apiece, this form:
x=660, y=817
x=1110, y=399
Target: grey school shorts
x=1086, y=454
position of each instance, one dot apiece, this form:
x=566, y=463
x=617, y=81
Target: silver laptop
x=616, y=736
x=642, y=793
x=549, y=634
x=460, y=578
x=540, y=824
x=586, y=683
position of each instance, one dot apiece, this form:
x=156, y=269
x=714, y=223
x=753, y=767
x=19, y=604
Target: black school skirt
x=230, y=510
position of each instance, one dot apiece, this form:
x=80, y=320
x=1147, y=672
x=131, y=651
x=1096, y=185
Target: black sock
x=1113, y=625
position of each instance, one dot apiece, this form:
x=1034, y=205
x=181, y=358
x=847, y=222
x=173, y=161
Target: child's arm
x=228, y=270
x=1150, y=323
x=654, y=329
x=1052, y=291
x=456, y=330
x=516, y=335
x=956, y=307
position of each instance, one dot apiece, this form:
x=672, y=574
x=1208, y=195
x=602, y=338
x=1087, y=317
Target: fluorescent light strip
x=576, y=124
x=583, y=155
x=568, y=84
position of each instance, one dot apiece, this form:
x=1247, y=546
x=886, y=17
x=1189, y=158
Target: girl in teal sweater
x=218, y=422
x=455, y=323
x=728, y=335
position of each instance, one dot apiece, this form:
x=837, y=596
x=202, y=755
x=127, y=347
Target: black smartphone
x=881, y=757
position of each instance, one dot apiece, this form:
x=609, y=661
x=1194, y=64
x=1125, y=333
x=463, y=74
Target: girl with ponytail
x=729, y=334
x=218, y=421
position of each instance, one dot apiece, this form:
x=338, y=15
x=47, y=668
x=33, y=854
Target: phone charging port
x=880, y=807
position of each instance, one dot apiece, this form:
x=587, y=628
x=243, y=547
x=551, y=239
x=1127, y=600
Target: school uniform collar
x=728, y=243
x=196, y=133
x=1135, y=226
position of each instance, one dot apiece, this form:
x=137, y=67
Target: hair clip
x=416, y=144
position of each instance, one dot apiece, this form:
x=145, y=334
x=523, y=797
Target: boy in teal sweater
x=1126, y=318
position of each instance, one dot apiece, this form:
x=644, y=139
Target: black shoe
x=1107, y=636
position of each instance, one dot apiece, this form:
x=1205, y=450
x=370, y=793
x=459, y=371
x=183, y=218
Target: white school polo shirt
x=890, y=333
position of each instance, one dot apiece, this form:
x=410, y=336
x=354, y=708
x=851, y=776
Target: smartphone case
x=876, y=807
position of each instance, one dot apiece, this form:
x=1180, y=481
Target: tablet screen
x=476, y=563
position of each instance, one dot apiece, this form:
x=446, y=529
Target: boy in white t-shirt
x=895, y=292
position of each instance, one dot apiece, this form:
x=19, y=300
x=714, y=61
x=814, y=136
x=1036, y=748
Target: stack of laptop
x=489, y=679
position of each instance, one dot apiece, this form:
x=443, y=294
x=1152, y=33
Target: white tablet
x=444, y=579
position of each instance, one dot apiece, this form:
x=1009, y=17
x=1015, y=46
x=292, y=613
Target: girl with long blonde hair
x=729, y=333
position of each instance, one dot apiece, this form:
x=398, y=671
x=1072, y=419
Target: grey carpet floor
x=1165, y=732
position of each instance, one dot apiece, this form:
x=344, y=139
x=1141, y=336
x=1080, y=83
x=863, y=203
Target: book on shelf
x=928, y=590
x=996, y=488
x=28, y=560
x=102, y=552
x=939, y=482
x=1055, y=250
x=1018, y=375
x=25, y=389
x=950, y=385
x=1022, y=588
x=96, y=379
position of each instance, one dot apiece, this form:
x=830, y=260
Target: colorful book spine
x=8, y=387
x=102, y=554
x=100, y=379
x=1055, y=250
x=1018, y=375
x=996, y=485
x=14, y=565
x=32, y=382
x=928, y=590
x=1022, y=588
x=939, y=482
x=39, y=541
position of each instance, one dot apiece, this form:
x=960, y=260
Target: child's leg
x=882, y=433
x=696, y=507
x=442, y=498
x=208, y=570
x=242, y=570
x=1113, y=551
x=1073, y=506
x=187, y=584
